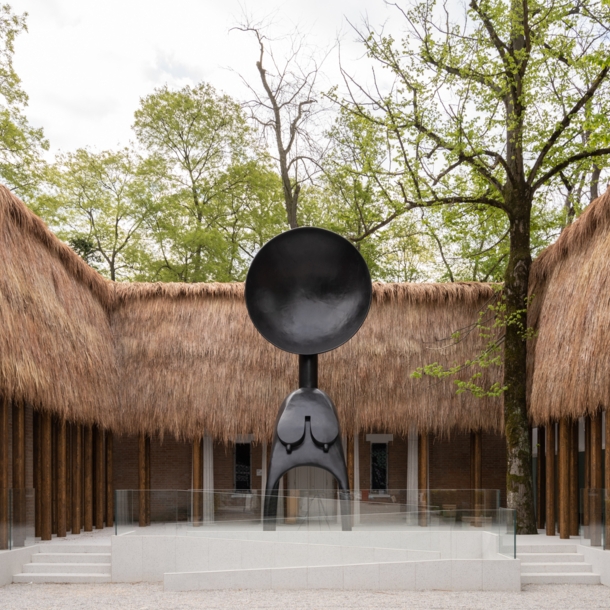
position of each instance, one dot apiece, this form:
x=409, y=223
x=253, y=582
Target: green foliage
x=21, y=145
x=100, y=203
x=349, y=199
x=219, y=197
x=491, y=325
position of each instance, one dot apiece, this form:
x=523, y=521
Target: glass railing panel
x=317, y=513
x=506, y=529
x=594, y=530
x=17, y=517
x=4, y=519
x=314, y=517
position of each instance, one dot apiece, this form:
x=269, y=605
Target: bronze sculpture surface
x=308, y=291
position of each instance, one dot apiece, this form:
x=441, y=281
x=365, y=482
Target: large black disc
x=308, y=291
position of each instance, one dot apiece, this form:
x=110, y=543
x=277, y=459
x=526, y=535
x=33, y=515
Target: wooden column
x=550, y=517
x=587, y=481
x=54, y=423
x=595, y=507
x=36, y=471
x=148, y=483
x=100, y=504
x=564, y=478
x=197, y=482
x=541, y=479
x=46, y=510
x=61, y=479
x=574, y=486
x=476, y=469
x=4, y=484
x=607, y=481
x=68, y=477
x=88, y=479
x=422, y=477
x=77, y=477
x=109, y=481
x=143, y=478
x=350, y=462
x=19, y=510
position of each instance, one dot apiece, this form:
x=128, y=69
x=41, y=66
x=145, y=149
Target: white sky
x=86, y=63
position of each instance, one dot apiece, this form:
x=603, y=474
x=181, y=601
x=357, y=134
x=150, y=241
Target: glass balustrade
x=222, y=513
x=17, y=514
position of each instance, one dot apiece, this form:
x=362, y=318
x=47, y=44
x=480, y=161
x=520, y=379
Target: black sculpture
x=308, y=291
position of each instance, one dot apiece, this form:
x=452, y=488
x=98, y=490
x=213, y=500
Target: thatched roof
x=56, y=344
x=569, y=361
x=184, y=359
x=191, y=360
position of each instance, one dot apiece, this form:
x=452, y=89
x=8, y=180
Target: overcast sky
x=86, y=63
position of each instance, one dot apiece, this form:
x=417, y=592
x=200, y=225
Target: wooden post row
x=46, y=473
x=77, y=477
x=197, y=482
x=88, y=478
x=564, y=478
x=4, y=480
x=53, y=474
x=541, y=478
x=100, y=504
x=422, y=477
x=109, y=481
x=19, y=506
x=595, y=506
x=587, y=481
x=61, y=479
x=476, y=470
x=144, y=479
x=607, y=481
x=148, y=483
x=574, y=486
x=36, y=471
x=550, y=517
x=68, y=477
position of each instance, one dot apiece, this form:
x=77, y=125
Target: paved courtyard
x=152, y=597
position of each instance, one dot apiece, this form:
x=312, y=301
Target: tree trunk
x=520, y=492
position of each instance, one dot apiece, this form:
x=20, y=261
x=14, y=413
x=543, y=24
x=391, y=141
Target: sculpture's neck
x=308, y=371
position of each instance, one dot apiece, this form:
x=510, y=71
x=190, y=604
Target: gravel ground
x=151, y=597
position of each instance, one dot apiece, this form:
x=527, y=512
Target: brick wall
x=29, y=447
x=449, y=463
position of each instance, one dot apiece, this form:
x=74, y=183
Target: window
x=379, y=467
x=242, y=467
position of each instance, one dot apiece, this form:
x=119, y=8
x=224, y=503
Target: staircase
x=68, y=563
x=554, y=564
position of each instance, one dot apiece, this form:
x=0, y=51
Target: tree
x=488, y=111
x=21, y=145
x=203, y=153
x=100, y=203
x=285, y=109
x=349, y=199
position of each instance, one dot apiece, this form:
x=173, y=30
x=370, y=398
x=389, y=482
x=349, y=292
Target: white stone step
x=546, y=548
x=561, y=578
x=550, y=557
x=71, y=558
x=67, y=568
x=537, y=568
x=61, y=578
x=74, y=548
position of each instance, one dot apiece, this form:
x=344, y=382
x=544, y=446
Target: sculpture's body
x=308, y=291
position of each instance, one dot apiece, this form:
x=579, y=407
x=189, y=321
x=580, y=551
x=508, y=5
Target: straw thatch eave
x=569, y=360
x=56, y=344
x=192, y=363
x=184, y=359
